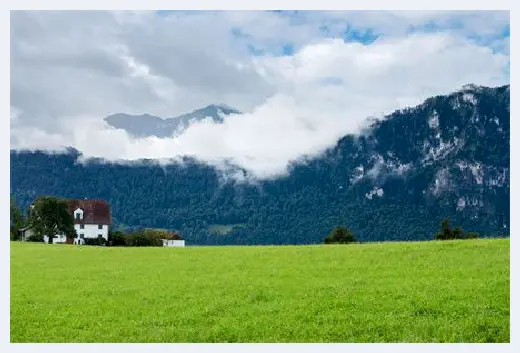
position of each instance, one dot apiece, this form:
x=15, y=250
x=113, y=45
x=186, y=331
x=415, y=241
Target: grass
x=452, y=291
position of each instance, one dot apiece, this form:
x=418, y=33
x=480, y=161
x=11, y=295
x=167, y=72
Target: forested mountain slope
x=446, y=157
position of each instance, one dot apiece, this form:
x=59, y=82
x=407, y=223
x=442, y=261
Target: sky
x=303, y=79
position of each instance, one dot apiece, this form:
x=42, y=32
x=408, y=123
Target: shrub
x=139, y=239
x=142, y=237
x=458, y=233
x=99, y=241
x=446, y=233
x=35, y=238
x=471, y=235
x=117, y=238
x=340, y=235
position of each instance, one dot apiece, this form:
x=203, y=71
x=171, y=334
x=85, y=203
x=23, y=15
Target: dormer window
x=78, y=214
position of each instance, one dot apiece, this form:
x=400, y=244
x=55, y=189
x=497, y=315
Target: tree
x=340, y=235
x=446, y=233
x=458, y=233
x=117, y=238
x=50, y=216
x=17, y=220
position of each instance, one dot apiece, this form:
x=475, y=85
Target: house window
x=78, y=214
x=100, y=236
x=81, y=226
x=82, y=236
x=100, y=226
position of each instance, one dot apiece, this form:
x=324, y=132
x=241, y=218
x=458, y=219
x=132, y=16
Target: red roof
x=94, y=211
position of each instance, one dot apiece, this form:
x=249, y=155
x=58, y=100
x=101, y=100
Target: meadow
x=450, y=291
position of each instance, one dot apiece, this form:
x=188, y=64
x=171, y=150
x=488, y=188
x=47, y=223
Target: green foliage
x=116, y=238
x=99, y=241
x=471, y=235
x=452, y=291
x=35, y=238
x=17, y=220
x=142, y=237
x=51, y=217
x=447, y=233
x=340, y=235
x=458, y=233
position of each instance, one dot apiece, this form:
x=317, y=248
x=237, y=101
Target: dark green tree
x=447, y=233
x=117, y=238
x=340, y=235
x=17, y=220
x=49, y=217
x=458, y=233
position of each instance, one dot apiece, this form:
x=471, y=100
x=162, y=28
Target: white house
x=173, y=243
x=91, y=220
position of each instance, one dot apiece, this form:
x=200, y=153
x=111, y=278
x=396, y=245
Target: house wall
x=60, y=238
x=174, y=243
x=92, y=231
x=27, y=233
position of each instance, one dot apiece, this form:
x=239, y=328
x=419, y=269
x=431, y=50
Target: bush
x=35, y=238
x=471, y=235
x=142, y=237
x=139, y=239
x=447, y=233
x=340, y=235
x=154, y=237
x=117, y=238
x=99, y=241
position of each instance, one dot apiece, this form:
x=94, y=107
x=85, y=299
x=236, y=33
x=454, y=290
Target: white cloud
x=69, y=70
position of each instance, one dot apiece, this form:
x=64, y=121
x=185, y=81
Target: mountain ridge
x=448, y=156
x=146, y=125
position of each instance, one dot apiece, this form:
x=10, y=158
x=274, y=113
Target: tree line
x=49, y=216
x=343, y=235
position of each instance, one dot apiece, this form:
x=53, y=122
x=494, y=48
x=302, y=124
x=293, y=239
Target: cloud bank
x=302, y=80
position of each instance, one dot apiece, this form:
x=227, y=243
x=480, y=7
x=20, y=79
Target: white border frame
x=245, y=5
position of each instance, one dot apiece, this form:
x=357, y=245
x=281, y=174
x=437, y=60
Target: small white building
x=25, y=233
x=173, y=243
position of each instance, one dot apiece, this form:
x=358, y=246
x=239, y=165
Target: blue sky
x=353, y=31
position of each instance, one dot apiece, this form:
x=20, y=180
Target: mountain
x=446, y=157
x=146, y=125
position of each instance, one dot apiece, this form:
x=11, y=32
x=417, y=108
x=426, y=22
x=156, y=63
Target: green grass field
x=452, y=291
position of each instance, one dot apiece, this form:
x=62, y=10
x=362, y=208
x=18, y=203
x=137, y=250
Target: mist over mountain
x=446, y=157
x=146, y=125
